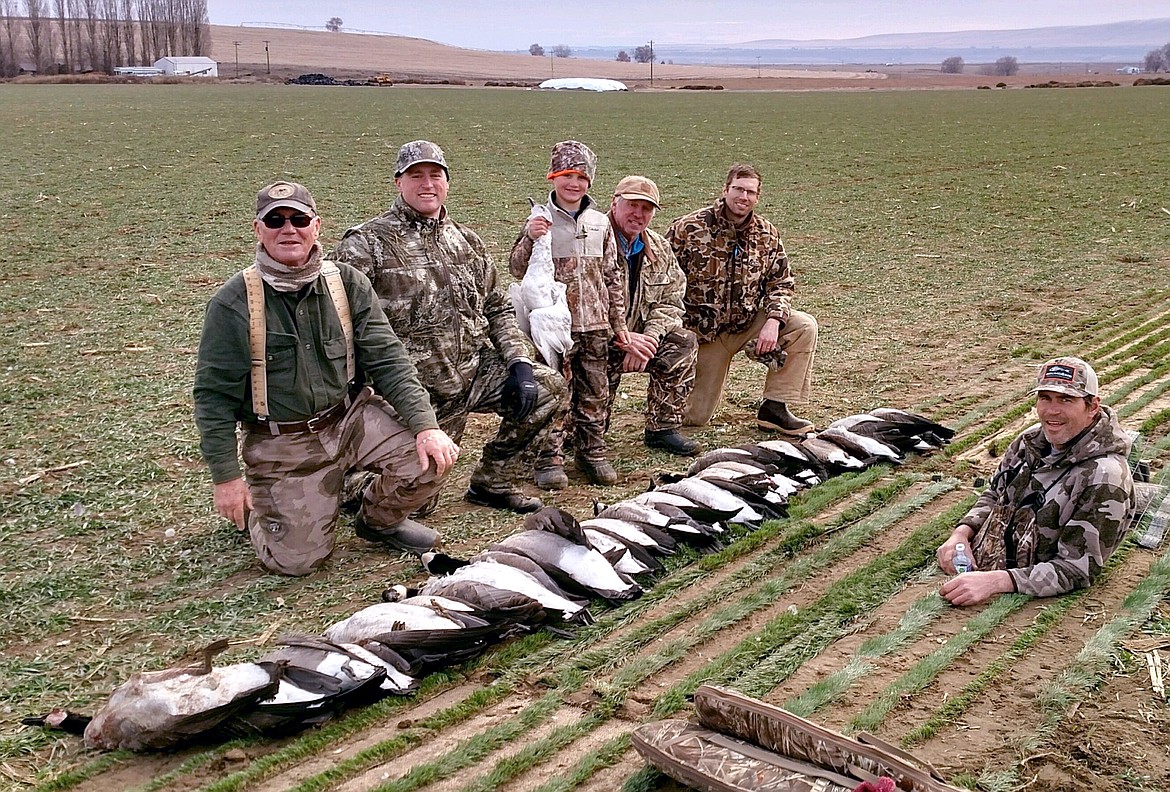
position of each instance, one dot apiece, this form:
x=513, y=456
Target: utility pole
x=237, y=57
x=552, y=65
x=267, y=60
x=758, y=67
x=651, y=63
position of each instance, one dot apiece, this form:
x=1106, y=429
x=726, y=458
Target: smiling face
x=424, y=188
x=1063, y=416
x=632, y=216
x=288, y=245
x=740, y=198
x=570, y=188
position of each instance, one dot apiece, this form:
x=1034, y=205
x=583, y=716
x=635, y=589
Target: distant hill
x=1117, y=42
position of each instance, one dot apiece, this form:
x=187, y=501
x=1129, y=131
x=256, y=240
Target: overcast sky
x=514, y=24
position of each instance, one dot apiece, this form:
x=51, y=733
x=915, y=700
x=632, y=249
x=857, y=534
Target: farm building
x=188, y=66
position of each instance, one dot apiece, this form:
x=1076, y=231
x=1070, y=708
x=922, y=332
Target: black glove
x=520, y=391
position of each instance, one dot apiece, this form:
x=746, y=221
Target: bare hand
x=435, y=445
x=946, y=551
x=639, y=348
x=769, y=333
x=233, y=501
x=975, y=588
x=536, y=227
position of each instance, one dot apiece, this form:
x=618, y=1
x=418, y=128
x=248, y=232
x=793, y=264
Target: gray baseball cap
x=419, y=151
x=282, y=193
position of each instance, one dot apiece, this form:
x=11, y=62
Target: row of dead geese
x=542, y=576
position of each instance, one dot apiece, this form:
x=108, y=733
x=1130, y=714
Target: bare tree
x=9, y=60
x=1153, y=61
x=536, y=50
x=644, y=53
x=1006, y=66
x=952, y=65
x=334, y=25
x=63, y=32
x=126, y=20
x=40, y=34
x=562, y=51
x=623, y=56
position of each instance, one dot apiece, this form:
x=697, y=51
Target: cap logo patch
x=281, y=191
x=1058, y=371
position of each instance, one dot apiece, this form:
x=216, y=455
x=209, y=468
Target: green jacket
x=305, y=366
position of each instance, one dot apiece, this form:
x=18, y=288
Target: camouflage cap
x=418, y=151
x=1069, y=375
x=572, y=156
x=282, y=193
x=637, y=188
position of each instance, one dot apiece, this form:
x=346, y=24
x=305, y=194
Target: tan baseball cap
x=282, y=193
x=1068, y=375
x=638, y=188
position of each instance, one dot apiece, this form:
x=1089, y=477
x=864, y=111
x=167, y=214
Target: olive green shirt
x=305, y=362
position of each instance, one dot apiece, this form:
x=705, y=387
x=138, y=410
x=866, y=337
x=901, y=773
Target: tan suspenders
x=257, y=330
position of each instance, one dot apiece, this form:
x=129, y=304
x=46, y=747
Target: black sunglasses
x=275, y=221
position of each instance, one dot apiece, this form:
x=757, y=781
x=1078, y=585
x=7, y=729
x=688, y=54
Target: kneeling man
x=286, y=349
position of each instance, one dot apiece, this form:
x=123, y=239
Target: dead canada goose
x=930, y=431
x=154, y=710
x=507, y=577
x=575, y=567
x=707, y=494
x=867, y=449
x=832, y=456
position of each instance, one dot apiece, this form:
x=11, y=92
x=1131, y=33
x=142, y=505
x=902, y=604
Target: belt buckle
x=313, y=425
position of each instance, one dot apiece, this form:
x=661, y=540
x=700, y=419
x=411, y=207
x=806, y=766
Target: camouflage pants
x=672, y=377
x=295, y=481
x=791, y=384
x=509, y=456
x=586, y=363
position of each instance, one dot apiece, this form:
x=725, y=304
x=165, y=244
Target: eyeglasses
x=737, y=190
x=275, y=221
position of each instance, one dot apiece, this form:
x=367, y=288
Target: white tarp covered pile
x=584, y=84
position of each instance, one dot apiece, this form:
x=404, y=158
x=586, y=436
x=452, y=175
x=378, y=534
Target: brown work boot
x=551, y=478
x=774, y=416
x=598, y=471
x=408, y=536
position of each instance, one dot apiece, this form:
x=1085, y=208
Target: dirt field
x=344, y=56
x=945, y=247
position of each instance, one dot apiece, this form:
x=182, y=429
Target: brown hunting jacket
x=732, y=272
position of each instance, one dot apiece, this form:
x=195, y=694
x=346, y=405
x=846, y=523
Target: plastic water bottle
x=961, y=560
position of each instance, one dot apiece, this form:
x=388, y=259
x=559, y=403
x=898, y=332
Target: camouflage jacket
x=1082, y=500
x=586, y=260
x=732, y=272
x=437, y=285
x=655, y=305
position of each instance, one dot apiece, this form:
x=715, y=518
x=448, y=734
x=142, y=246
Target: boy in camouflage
x=586, y=261
x=1059, y=503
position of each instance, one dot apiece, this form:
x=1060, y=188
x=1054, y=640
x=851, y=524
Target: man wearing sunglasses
x=739, y=297
x=438, y=287
x=1059, y=503
x=286, y=347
